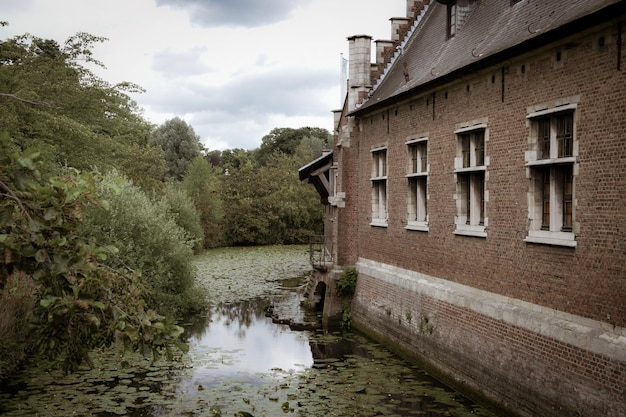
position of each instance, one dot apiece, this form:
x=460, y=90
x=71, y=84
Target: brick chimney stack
x=359, y=83
x=398, y=27
x=414, y=7
x=363, y=74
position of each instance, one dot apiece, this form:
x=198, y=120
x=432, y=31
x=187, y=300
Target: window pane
x=379, y=164
x=421, y=200
x=465, y=150
x=382, y=200
x=481, y=198
x=543, y=139
x=383, y=163
x=568, y=186
x=462, y=198
x=451, y=20
x=564, y=134
x=412, y=207
x=545, y=196
x=479, y=146
x=423, y=156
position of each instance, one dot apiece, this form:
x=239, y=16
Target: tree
x=150, y=238
x=294, y=211
x=202, y=185
x=77, y=300
x=50, y=101
x=180, y=146
x=287, y=140
x=245, y=218
x=268, y=204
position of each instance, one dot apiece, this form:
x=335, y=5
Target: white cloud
x=248, y=13
x=234, y=70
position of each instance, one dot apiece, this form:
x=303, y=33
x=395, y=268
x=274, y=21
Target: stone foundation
x=520, y=357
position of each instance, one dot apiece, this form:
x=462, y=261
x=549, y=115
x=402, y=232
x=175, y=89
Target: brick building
x=478, y=184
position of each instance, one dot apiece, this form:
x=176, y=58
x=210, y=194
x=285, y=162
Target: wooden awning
x=317, y=173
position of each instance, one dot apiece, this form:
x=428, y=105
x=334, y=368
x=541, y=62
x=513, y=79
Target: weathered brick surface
x=517, y=368
x=531, y=373
x=589, y=280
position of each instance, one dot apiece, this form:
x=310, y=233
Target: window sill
x=479, y=168
x=417, y=226
x=474, y=231
x=379, y=223
x=551, y=238
x=551, y=161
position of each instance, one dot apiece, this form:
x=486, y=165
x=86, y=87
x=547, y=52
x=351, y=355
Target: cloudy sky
x=233, y=69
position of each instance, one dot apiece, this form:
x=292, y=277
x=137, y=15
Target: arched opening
x=319, y=295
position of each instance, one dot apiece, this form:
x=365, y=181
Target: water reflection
x=239, y=360
x=242, y=340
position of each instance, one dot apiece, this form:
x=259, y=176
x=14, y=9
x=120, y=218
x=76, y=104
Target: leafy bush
x=17, y=300
x=346, y=285
x=202, y=185
x=149, y=241
x=78, y=302
x=184, y=212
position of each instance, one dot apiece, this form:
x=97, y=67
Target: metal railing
x=320, y=252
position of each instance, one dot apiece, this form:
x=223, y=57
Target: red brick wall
x=518, y=369
x=534, y=374
x=589, y=280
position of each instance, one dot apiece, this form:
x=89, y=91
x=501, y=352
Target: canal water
x=241, y=362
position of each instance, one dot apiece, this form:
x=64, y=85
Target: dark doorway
x=319, y=295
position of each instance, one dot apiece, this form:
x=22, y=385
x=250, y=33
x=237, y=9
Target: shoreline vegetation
x=101, y=212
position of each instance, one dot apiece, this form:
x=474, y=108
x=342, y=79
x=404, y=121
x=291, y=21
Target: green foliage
x=79, y=301
x=17, y=300
x=286, y=141
x=425, y=326
x=203, y=186
x=346, y=315
x=245, y=220
x=144, y=166
x=268, y=204
x=51, y=102
x=180, y=146
x=346, y=284
x=182, y=209
x=149, y=241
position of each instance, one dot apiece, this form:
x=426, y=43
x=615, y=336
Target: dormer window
x=452, y=19
x=457, y=13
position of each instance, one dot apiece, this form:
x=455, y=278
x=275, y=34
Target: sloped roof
x=317, y=173
x=494, y=30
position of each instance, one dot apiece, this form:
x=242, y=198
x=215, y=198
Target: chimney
x=414, y=7
x=359, y=83
x=384, y=52
x=399, y=26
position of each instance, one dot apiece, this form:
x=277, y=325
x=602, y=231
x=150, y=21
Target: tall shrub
x=183, y=210
x=149, y=241
x=202, y=185
x=57, y=294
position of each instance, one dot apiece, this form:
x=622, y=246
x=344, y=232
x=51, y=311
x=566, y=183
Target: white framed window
x=417, y=179
x=470, y=172
x=379, y=187
x=551, y=165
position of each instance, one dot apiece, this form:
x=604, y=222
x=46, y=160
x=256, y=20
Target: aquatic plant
x=350, y=375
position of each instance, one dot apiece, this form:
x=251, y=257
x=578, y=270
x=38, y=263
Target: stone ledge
x=591, y=335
